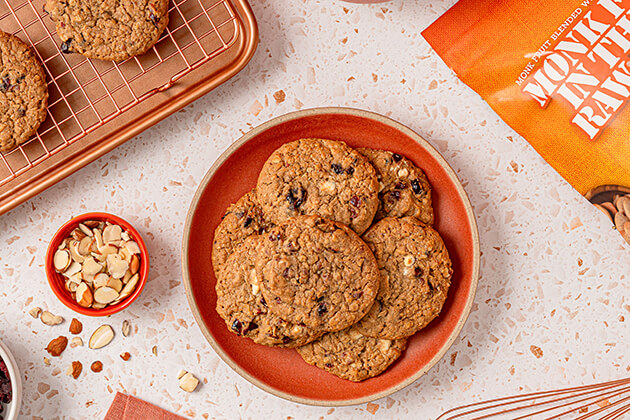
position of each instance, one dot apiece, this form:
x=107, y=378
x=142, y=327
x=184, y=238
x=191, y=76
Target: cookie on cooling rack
x=23, y=92
x=108, y=30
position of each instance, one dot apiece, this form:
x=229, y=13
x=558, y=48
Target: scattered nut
x=181, y=373
x=50, y=319
x=99, y=255
x=57, y=346
x=76, y=342
x=101, y=337
x=46, y=361
x=154, y=350
x=126, y=328
x=34, y=312
x=75, y=326
x=97, y=366
x=75, y=369
x=188, y=382
x=125, y=356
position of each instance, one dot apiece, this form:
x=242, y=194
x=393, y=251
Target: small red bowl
x=57, y=282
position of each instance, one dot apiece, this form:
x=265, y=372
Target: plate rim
x=308, y=113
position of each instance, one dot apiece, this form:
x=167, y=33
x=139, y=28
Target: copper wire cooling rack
x=604, y=401
x=96, y=105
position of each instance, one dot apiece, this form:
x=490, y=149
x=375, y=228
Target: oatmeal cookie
x=316, y=272
x=319, y=177
x=403, y=188
x=351, y=355
x=415, y=277
x=23, y=92
x=242, y=306
x=108, y=29
x=242, y=219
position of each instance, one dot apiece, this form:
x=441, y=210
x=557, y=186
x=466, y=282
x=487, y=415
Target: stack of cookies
x=332, y=254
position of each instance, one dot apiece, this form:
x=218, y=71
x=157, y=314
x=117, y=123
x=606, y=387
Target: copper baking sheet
x=95, y=105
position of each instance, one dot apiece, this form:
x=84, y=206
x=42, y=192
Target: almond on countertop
x=97, y=366
x=101, y=337
x=50, y=319
x=75, y=326
x=125, y=356
x=75, y=369
x=57, y=346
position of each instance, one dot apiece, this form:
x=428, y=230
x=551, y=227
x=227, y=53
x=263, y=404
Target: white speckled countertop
x=553, y=273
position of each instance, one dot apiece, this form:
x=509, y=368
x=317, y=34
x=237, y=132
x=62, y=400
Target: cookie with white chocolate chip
x=242, y=306
x=351, y=355
x=404, y=189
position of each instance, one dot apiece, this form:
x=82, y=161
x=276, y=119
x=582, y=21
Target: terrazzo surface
x=552, y=307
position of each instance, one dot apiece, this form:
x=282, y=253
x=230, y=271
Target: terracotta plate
x=282, y=371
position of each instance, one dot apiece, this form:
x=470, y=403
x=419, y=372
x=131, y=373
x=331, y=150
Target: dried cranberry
x=350, y=170
x=65, y=46
x=248, y=222
x=337, y=168
x=237, y=327
x=415, y=186
x=154, y=19
x=328, y=365
x=418, y=272
x=357, y=294
x=296, y=197
x=263, y=302
x=275, y=237
x=285, y=273
x=286, y=340
x=397, y=158
x=400, y=186
x=250, y=327
x=322, y=309
x=355, y=201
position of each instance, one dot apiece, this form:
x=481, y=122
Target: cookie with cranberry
x=23, y=92
x=316, y=272
x=415, y=277
x=319, y=177
x=242, y=306
x=351, y=355
x=403, y=188
x=108, y=30
x=242, y=219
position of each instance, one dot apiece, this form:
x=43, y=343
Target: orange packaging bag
x=558, y=72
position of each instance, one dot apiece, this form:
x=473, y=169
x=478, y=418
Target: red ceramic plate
x=282, y=371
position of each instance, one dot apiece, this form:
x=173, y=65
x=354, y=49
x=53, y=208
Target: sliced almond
x=76, y=278
x=620, y=220
x=125, y=236
x=109, y=250
x=101, y=337
x=76, y=342
x=115, y=284
x=77, y=234
x=128, y=289
x=86, y=230
x=98, y=240
x=626, y=205
x=62, y=260
x=132, y=247
x=99, y=257
x=134, y=264
x=112, y=233
x=127, y=277
x=34, y=312
x=97, y=305
x=100, y=280
x=116, y=266
x=83, y=295
x=63, y=244
x=126, y=328
x=105, y=295
x=610, y=207
x=74, y=268
x=188, y=382
x=181, y=373
x=50, y=319
x=85, y=245
x=74, y=252
x=606, y=212
x=71, y=286
x=90, y=266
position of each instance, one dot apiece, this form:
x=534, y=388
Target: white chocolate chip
x=402, y=173
x=328, y=187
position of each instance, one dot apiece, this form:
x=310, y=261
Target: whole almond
x=97, y=366
x=57, y=346
x=75, y=369
x=75, y=326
